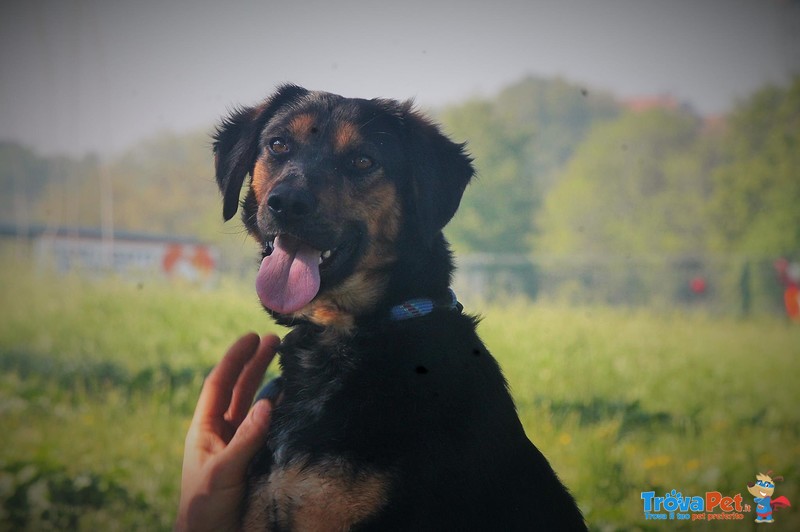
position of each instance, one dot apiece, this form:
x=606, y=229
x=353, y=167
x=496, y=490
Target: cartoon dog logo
x=762, y=490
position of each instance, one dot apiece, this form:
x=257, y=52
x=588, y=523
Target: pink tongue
x=289, y=278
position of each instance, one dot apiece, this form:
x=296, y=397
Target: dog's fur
x=379, y=424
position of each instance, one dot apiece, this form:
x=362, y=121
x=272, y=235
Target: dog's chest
x=291, y=425
x=327, y=496
x=312, y=377
x=309, y=485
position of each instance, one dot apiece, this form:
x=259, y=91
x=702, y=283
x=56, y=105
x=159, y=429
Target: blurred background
x=633, y=236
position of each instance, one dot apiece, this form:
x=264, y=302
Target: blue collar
x=416, y=308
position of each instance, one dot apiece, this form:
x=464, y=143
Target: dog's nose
x=288, y=203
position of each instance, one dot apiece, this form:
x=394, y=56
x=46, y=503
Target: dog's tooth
x=326, y=254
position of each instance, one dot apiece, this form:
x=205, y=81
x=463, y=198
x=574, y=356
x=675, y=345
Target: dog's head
x=335, y=184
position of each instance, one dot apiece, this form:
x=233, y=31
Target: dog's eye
x=278, y=146
x=362, y=162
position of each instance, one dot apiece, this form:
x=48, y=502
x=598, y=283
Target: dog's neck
x=425, y=273
x=420, y=272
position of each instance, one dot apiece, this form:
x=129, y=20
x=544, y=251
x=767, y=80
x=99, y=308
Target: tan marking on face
x=262, y=180
x=380, y=209
x=302, y=127
x=346, y=134
x=382, y=212
x=321, y=498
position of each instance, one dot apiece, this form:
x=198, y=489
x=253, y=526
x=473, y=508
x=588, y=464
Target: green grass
x=99, y=381
x=628, y=401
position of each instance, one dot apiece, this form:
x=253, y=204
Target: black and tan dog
x=391, y=414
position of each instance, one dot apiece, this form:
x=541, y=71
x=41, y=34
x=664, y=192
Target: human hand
x=223, y=437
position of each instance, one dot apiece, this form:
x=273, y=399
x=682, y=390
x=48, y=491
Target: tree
x=23, y=176
x=637, y=185
x=519, y=140
x=166, y=184
x=756, y=203
x=41, y=190
x=494, y=214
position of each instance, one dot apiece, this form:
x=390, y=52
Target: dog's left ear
x=236, y=144
x=440, y=171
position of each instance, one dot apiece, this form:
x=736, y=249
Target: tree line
x=562, y=170
x=566, y=171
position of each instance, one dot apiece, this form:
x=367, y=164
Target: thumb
x=249, y=437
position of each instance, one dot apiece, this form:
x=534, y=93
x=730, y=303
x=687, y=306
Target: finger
x=251, y=378
x=217, y=391
x=249, y=438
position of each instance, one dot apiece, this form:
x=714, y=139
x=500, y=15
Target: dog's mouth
x=294, y=271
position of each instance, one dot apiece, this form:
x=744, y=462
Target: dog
x=390, y=413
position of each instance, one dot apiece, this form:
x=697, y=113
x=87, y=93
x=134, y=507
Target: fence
x=133, y=256
x=730, y=285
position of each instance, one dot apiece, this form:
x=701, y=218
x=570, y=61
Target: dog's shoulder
x=442, y=354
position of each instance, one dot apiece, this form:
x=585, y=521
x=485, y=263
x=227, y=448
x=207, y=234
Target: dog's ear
x=236, y=144
x=440, y=171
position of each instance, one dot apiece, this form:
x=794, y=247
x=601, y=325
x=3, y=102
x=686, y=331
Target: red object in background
x=698, y=285
x=789, y=276
x=791, y=298
x=202, y=260
x=171, y=257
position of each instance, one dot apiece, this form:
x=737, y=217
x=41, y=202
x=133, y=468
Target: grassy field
x=99, y=381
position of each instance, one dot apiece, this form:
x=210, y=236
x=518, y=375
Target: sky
x=80, y=76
